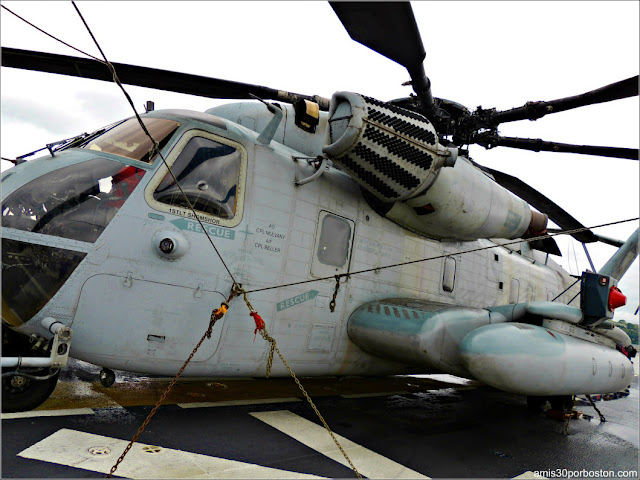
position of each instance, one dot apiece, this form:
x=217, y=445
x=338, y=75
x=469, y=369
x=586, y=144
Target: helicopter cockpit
x=56, y=207
x=74, y=202
x=78, y=201
x=76, y=197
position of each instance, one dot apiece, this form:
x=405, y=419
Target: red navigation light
x=616, y=298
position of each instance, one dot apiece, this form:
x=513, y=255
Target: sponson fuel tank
x=413, y=180
x=416, y=332
x=554, y=357
x=539, y=360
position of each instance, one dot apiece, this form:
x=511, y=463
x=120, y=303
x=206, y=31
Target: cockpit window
x=75, y=202
x=129, y=140
x=208, y=173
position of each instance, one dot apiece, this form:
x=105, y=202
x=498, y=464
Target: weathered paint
x=272, y=204
x=423, y=334
x=297, y=300
x=532, y=360
x=212, y=230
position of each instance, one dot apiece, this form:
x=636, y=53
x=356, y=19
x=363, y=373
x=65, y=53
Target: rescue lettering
x=297, y=300
x=212, y=230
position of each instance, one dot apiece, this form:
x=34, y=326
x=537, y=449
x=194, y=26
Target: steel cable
x=479, y=249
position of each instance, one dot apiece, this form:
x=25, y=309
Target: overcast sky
x=493, y=54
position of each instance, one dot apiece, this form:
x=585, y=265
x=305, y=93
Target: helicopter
x=318, y=196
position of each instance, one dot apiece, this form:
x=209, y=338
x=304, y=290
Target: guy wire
x=479, y=249
x=155, y=144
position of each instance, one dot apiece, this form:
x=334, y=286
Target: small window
x=208, y=173
x=449, y=274
x=332, y=246
x=514, y=293
x=335, y=240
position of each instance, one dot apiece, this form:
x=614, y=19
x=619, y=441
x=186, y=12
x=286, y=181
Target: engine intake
x=394, y=154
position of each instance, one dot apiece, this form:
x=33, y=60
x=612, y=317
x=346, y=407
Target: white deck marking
x=445, y=377
x=378, y=394
x=527, y=475
x=229, y=403
x=48, y=413
x=368, y=463
x=71, y=448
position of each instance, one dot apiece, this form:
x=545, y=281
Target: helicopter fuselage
x=134, y=306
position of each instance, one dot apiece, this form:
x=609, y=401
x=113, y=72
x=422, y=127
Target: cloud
x=38, y=115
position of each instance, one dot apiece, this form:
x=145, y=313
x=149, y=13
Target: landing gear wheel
x=107, y=377
x=20, y=394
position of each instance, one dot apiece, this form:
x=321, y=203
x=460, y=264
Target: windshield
x=129, y=140
x=75, y=202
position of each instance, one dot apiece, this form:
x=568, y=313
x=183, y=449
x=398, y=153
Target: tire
x=107, y=377
x=20, y=394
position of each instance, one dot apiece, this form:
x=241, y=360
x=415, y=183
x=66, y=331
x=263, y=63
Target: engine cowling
x=395, y=155
x=392, y=152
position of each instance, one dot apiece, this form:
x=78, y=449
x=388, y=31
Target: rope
x=479, y=249
x=565, y=290
x=574, y=297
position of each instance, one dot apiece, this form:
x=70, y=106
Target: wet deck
x=244, y=428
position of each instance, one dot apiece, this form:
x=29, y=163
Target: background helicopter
x=460, y=73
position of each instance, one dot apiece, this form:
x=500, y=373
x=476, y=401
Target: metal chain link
x=207, y=334
x=274, y=347
x=602, y=419
x=332, y=303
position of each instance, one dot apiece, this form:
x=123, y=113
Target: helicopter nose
x=75, y=202
x=31, y=275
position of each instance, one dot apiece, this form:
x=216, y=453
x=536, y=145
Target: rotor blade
x=534, y=110
x=390, y=29
x=614, y=242
x=490, y=140
x=145, y=77
x=556, y=214
x=547, y=245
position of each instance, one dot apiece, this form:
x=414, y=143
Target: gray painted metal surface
x=135, y=307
